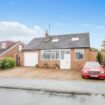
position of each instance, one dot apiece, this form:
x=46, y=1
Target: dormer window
x=55, y=40
x=75, y=38
x=3, y=45
x=20, y=47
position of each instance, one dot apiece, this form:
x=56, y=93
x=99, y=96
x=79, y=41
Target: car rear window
x=92, y=64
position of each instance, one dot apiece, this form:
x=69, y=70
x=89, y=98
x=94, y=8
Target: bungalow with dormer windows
x=69, y=51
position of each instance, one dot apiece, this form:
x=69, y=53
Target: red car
x=93, y=70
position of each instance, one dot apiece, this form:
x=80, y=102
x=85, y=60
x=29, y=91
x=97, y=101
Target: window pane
x=79, y=55
x=56, y=55
x=62, y=54
x=50, y=55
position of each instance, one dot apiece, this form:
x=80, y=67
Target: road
x=23, y=97
x=92, y=87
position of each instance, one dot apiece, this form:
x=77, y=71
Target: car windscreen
x=92, y=65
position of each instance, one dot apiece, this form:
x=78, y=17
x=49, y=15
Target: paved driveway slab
x=25, y=72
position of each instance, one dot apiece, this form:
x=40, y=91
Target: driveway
x=25, y=72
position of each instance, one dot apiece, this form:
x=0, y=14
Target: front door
x=17, y=60
x=65, y=61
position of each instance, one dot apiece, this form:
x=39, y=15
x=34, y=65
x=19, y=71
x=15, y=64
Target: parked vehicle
x=93, y=70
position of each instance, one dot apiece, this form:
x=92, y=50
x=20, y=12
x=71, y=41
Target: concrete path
x=67, y=86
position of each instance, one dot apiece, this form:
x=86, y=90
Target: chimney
x=46, y=36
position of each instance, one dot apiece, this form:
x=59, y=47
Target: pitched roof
x=64, y=42
x=2, y=51
x=9, y=45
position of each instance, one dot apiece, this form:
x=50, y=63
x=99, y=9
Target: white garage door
x=30, y=58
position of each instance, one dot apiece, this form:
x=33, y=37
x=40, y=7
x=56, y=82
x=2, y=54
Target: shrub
x=37, y=66
x=99, y=58
x=46, y=65
x=7, y=63
x=56, y=66
x=103, y=61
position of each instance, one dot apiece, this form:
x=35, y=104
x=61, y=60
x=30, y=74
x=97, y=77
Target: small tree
x=99, y=57
x=104, y=61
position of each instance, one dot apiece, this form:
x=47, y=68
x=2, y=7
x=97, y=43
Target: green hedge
x=7, y=63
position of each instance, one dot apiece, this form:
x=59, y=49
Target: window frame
x=55, y=57
x=79, y=50
x=3, y=45
x=52, y=53
x=20, y=46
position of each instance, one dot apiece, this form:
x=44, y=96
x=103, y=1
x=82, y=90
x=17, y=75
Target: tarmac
x=55, y=86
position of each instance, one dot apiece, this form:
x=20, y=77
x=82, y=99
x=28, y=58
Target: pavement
x=58, y=86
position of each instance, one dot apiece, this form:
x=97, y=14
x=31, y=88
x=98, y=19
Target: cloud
x=17, y=31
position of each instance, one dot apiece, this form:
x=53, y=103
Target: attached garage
x=30, y=58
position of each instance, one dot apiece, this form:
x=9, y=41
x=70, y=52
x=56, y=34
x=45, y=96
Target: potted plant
x=37, y=66
x=46, y=65
x=56, y=66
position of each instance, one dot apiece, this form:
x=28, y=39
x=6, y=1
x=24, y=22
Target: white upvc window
x=79, y=54
x=20, y=47
x=57, y=54
x=3, y=45
x=50, y=55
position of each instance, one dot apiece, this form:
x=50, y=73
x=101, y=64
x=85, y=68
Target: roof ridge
x=71, y=34
x=64, y=35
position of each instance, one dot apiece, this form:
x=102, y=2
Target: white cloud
x=17, y=31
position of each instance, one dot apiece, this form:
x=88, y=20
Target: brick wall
x=13, y=53
x=78, y=64
x=75, y=64
x=42, y=62
x=93, y=55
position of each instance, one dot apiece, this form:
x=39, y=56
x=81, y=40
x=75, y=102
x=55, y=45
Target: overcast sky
x=26, y=19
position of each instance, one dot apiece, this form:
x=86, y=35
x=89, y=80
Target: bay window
x=54, y=54
x=50, y=55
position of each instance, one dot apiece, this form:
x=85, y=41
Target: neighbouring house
x=69, y=51
x=11, y=49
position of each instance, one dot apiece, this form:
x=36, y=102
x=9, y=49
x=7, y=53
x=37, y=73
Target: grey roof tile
x=64, y=42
